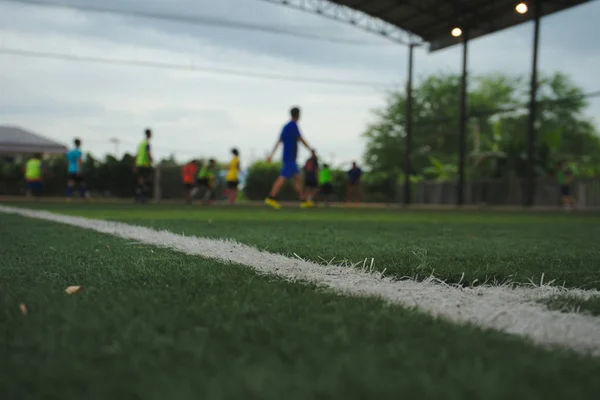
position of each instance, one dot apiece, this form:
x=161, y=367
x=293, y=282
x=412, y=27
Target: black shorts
x=327, y=188
x=188, y=186
x=232, y=184
x=203, y=183
x=565, y=190
x=144, y=172
x=77, y=178
x=311, y=183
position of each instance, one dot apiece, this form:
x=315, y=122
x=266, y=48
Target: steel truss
x=347, y=15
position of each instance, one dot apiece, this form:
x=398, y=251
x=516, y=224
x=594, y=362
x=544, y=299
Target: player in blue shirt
x=354, y=175
x=75, y=176
x=289, y=138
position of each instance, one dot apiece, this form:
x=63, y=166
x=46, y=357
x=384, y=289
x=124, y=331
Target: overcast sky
x=201, y=114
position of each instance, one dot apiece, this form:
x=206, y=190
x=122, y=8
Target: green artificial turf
x=156, y=324
x=568, y=303
x=467, y=247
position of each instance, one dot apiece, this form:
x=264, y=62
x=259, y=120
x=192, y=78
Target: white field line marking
x=512, y=310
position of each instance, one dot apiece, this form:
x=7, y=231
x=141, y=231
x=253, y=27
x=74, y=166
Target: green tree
x=497, y=127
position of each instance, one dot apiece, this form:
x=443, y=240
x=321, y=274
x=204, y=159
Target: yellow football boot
x=307, y=204
x=272, y=203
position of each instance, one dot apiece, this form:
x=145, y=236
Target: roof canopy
x=14, y=140
x=433, y=20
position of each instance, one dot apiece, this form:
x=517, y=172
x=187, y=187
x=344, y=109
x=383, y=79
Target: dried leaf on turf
x=23, y=308
x=74, y=289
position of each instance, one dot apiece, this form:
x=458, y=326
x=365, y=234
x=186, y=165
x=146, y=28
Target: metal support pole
x=462, y=138
x=531, y=129
x=409, y=114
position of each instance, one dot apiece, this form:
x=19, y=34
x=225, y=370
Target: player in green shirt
x=34, y=174
x=325, y=184
x=205, y=180
x=143, y=168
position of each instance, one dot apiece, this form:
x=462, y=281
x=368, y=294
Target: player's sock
x=69, y=191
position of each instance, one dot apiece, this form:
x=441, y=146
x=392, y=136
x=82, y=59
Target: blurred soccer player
x=143, y=168
x=353, y=190
x=232, y=178
x=289, y=138
x=311, y=173
x=326, y=184
x=188, y=175
x=206, y=179
x=564, y=179
x=75, y=171
x=34, y=174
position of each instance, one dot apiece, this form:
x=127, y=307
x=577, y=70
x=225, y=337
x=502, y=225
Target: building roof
x=14, y=140
x=433, y=20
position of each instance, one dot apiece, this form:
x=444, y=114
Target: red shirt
x=189, y=172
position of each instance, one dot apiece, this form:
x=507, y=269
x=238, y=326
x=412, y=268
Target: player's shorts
x=232, y=184
x=77, y=178
x=311, y=182
x=144, y=172
x=327, y=188
x=35, y=187
x=203, y=183
x=565, y=190
x=188, y=186
x=289, y=170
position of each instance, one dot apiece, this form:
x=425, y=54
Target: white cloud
x=204, y=114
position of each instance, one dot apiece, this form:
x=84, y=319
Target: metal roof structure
x=433, y=20
x=14, y=140
x=430, y=20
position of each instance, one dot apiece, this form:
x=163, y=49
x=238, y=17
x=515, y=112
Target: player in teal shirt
x=74, y=171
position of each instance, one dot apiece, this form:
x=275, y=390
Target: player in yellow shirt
x=232, y=177
x=34, y=175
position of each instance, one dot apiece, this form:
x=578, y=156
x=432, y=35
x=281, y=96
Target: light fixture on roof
x=456, y=32
x=521, y=8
